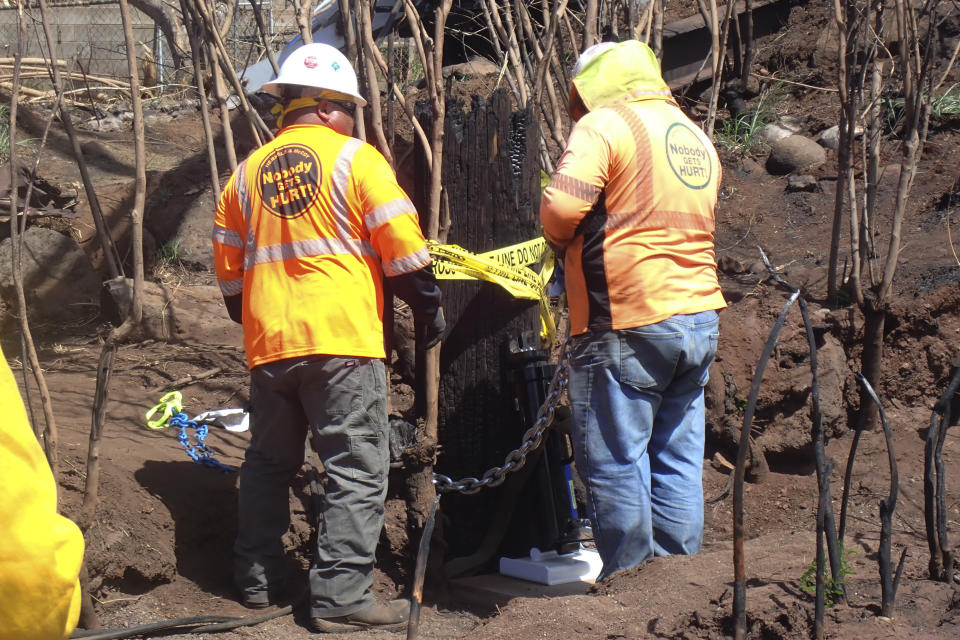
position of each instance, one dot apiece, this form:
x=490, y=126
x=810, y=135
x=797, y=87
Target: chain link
x=532, y=439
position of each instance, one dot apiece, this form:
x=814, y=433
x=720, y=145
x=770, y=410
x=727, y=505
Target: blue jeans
x=638, y=412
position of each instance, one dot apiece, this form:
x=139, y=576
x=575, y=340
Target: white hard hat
x=320, y=66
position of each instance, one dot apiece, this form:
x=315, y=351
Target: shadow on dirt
x=203, y=505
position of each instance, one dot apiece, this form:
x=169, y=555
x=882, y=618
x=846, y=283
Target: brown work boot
x=385, y=615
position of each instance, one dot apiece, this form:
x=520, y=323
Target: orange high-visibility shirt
x=306, y=229
x=632, y=200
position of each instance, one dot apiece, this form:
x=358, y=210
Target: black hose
x=147, y=629
x=244, y=622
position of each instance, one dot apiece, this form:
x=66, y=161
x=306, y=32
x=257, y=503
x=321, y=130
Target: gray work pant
x=343, y=400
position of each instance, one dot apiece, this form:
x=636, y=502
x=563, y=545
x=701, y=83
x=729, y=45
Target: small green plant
x=742, y=134
x=415, y=73
x=169, y=268
x=740, y=403
x=947, y=105
x=943, y=107
x=4, y=133
x=833, y=588
x=170, y=253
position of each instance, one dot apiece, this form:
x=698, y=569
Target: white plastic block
x=550, y=567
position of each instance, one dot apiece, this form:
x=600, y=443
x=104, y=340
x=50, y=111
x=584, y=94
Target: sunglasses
x=349, y=107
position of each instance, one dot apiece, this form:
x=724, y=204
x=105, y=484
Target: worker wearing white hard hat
x=309, y=230
x=314, y=72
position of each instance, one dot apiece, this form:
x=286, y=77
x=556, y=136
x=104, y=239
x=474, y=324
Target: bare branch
x=366, y=31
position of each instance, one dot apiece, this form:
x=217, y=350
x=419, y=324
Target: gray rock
x=472, y=67
x=730, y=265
x=773, y=132
x=109, y=123
x=59, y=283
x=803, y=183
x=180, y=313
x=794, y=154
x=791, y=123
x=192, y=235
x=826, y=48
x=830, y=137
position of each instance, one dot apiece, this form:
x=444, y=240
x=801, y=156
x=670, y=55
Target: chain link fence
x=92, y=31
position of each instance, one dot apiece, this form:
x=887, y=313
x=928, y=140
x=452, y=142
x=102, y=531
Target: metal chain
x=532, y=439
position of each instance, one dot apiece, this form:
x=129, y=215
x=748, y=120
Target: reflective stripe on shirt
x=311, y=248
x=231, y=287
x=227, y=237
x=658, y=220
x=407, y=264
x=575, y=187
x=339, y=181
x=386, y=212
x=243, y=195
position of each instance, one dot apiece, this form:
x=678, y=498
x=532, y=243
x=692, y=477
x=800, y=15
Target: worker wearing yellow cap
x=631, y=205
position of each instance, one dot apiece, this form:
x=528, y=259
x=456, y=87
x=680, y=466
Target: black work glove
x=433, y=329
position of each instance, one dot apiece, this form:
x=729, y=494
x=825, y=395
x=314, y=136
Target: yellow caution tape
x=516, y=255
x=496, y=266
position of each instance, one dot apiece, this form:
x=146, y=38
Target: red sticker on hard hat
x=289, y=180
x=310, y=62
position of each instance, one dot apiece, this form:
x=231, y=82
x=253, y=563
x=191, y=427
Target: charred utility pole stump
x=491, y=177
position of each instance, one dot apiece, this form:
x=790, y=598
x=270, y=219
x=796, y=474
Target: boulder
x=473, y=67
x=830, y=137
x=827, y=47
x=781, y=430
x=182, y=224
x=790, y=431
x=174, y=314
x=791, y=123
x=773, y=132
x=196, y=225
x=95, y=149
x=730, y=265
x=59, y=283
x=794, y=154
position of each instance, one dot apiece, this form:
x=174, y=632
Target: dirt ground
x=160, y=547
